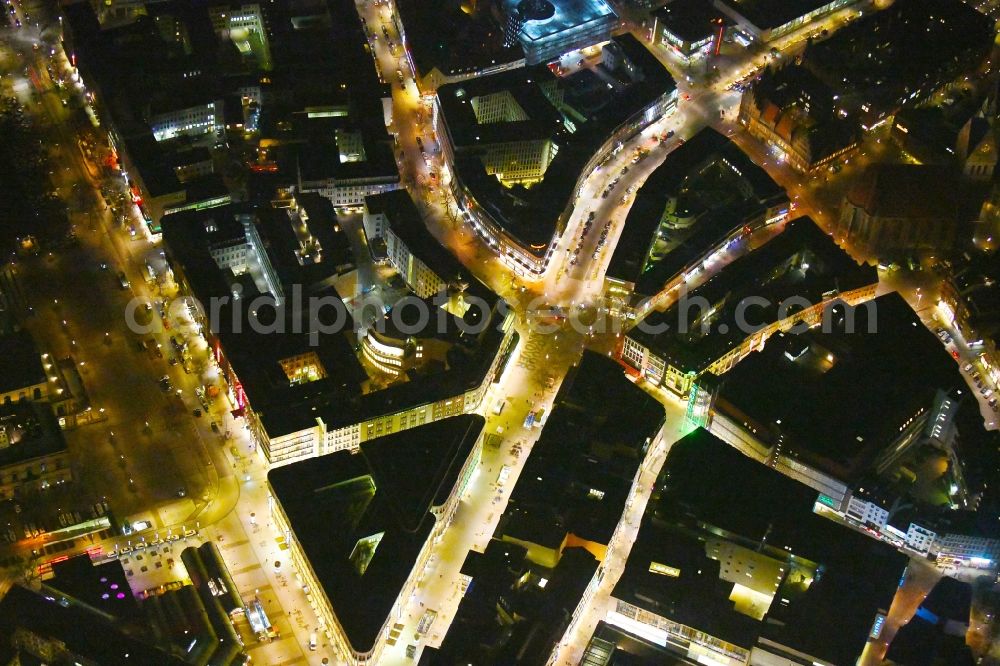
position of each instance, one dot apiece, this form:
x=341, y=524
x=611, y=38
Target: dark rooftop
x=920, y=643
x=801, y=262
x=318, y=161
x=102, y=586
x=20, y=362
x=900, y=55
x=362, y=518
x=191, y=155
x=31, y=431
x=322, y=224
x=949, y=600
x=708, y=490
x=446, y=36
x=914, y=191
x=322, y=58
x=503, y=585
x=580, y=470
x=153, y=164
x=138, y=70
x=82, y=631
x=768, y=14
x=689, y=20
x=838, y=405
x=531, y=215
x=748, y=192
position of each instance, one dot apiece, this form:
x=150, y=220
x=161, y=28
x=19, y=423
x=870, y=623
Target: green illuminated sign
x=827, y=500
x=697, y=407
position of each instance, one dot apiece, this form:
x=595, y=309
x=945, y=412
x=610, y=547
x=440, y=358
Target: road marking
x=235, y=544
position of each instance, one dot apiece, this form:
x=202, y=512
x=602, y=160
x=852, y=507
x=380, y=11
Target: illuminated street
x=163, y=445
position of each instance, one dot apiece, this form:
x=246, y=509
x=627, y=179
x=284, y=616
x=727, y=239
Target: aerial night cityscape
x=500, y=332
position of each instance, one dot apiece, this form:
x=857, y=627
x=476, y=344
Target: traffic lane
x=156, y=465
x=88, y=326
x=608, y=205
x=524, y=388
x=116, y=376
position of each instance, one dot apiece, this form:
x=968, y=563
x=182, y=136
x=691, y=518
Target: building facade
x=767, y=21
x=442, y=514
x=319, y=439
x=534, y=261
x=348, y=194
x=792, y=131
x=966, y=550
x=193, y=121
x=418, y=276
x=679, y=379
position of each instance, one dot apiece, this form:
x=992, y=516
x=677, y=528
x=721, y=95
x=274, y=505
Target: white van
x=312, y=642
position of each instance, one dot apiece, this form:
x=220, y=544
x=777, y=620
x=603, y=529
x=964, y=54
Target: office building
x=731, y=566
x=153, y=86
x=898, y=57
x=573, y=488
x=361, y=525
x=512, y=610
x=27, y=374
x=345, y=171
x=49, y=627
x=192, y=164
x=773, y=403
x=546, y=29
x=527, y=591
x=706, y=196
x=454, y=40
x=306, y=391
x=244, y=24
x=22, y=371
x=425, y=265
x=178, y=120
x=970, y=301
x=791, y=280
x=85, y=612
x=502, y=132
x=955, y=134
x=767, y=20
x=968, y=550
x=937, y=632
x=691, y=28
x=321, y=124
